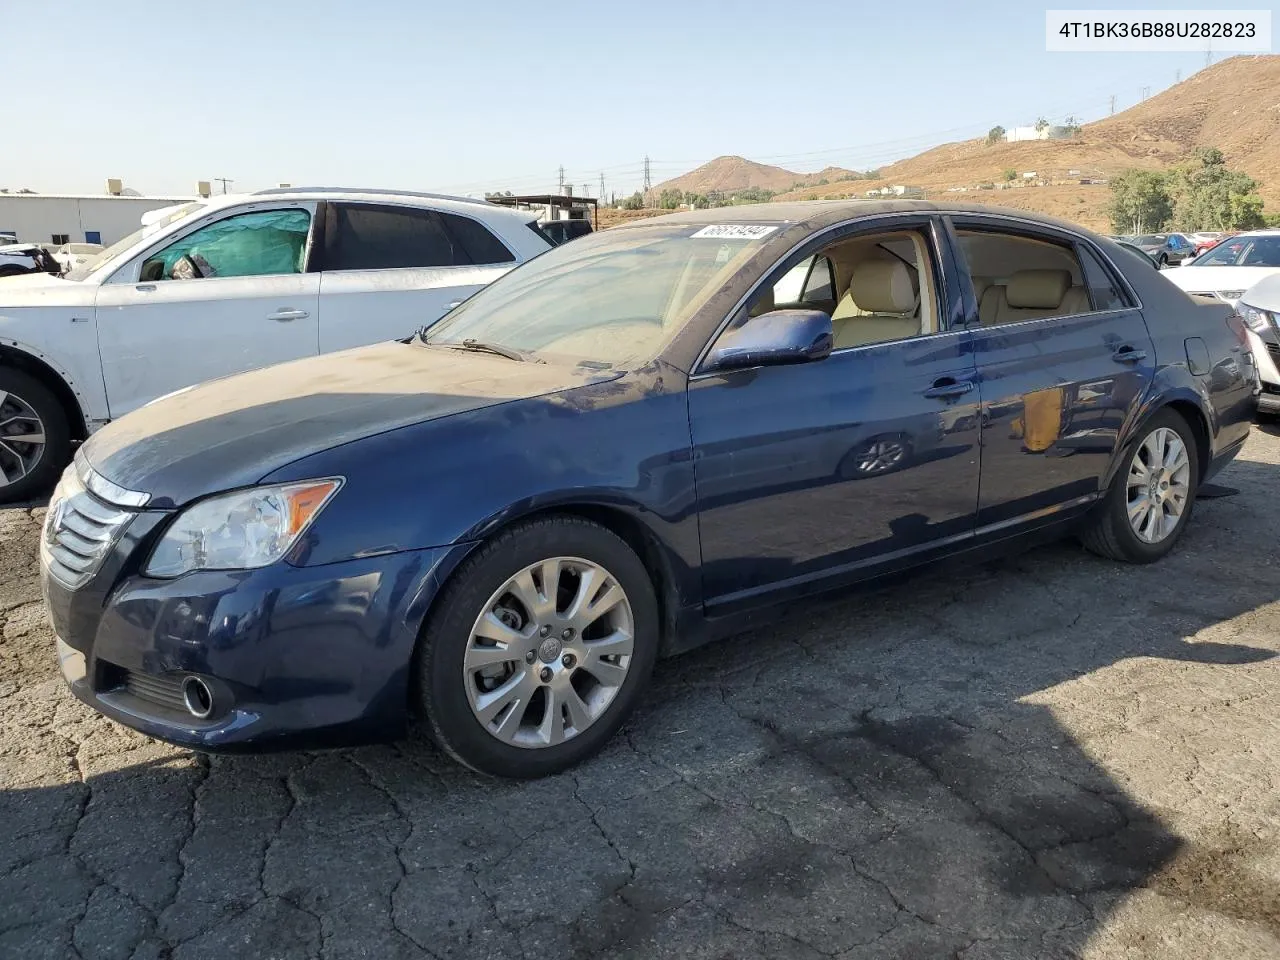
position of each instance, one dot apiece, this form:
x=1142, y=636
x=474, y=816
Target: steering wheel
x=185, y=268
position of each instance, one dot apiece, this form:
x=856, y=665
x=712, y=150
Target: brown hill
x=728, y=174
x=1233, y=105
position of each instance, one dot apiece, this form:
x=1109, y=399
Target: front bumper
x=1266, y=358
x=294, y=656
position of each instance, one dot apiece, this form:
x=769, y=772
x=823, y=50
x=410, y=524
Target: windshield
x=1148, y=240
x=613, y=298
x=1243, y=252
x=103, y=259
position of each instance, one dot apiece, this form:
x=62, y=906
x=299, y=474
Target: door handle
x=1128, y=354
x=283, y=315
x=947, y=388
x=145, y=288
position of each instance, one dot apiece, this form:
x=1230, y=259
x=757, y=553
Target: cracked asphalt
x=1047, y=756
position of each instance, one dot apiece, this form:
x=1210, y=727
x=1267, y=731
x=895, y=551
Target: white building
x=71, y=218
x=1050, y=132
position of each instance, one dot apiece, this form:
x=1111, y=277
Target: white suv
x=227, y=284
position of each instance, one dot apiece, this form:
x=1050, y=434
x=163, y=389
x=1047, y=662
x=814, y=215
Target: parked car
x=1135, y=249
x=1165, y=248
x=1232, y=267
x=225, y=285
x=1206, y=241
x=22, y=258
x=72, y=255
x=618, y=451
x=1260, y=309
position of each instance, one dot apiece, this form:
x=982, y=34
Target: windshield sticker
x=724, y=254
x=735, y=231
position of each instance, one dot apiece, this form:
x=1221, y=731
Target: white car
x=1227, y=270
x=1260, y=310
x=72, y=255
x=224, y=285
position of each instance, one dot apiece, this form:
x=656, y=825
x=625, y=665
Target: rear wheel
x=1151, y=498
x=539, y=648
x=35, y=438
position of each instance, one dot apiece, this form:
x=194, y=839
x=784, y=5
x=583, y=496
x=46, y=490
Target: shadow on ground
x=885, y=776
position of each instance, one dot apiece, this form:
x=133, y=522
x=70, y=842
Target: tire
x=451, y=692
x=1110, y=533
x=24, y=470
x=1162, y=261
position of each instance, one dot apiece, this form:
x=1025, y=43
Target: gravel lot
x=1052, y=756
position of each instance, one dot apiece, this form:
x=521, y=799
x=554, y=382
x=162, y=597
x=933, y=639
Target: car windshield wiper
x=483, y=346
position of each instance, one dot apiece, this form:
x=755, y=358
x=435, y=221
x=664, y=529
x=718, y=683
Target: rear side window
x=1102, y=289
x=371, y=237
x=479, y=244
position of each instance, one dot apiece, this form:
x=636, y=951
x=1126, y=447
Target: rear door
x=386, y=270
x=1059, y=381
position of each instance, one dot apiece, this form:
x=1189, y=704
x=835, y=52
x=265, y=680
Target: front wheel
x=539, y=648
x=35, y=438
x=1150, y=499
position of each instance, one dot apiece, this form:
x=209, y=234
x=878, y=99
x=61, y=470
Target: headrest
x=1037, y=289
x=980, y=285
x=883, y=286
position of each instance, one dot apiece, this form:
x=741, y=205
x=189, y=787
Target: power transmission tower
x=1177, y=75
x=648, y=183
x=601, y=194
x=1146, y=92
x=560, y=188
x=1113, y=105
x=224, y=181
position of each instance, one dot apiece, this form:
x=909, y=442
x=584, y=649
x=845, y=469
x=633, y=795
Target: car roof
x=436, y=201
x=818, y=213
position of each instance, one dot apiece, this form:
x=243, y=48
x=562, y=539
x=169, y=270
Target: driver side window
x=262, y=243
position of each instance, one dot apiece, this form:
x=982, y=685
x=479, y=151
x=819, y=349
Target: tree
x=1041, y=124
x=634, y=202
x=1010, y=173
x=995, y=135
x=670, y=199
x=1140, y=202
x=1208, y=195
x=1072, y=125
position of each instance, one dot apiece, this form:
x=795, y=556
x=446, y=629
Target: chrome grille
x=79, y=531
x=162, y=690
x=1274, y=350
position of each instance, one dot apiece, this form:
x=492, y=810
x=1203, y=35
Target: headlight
x=1255, y=319
x=241, y=530
x=1230, y=294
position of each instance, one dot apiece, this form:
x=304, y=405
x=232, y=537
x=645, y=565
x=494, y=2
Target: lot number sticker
x=735, y=231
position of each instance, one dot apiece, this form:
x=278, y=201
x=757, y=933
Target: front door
x=226, y=297
x=1064, y=359
x=830, y=468
x=388, y=270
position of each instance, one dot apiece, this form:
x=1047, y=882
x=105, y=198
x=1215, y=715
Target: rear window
x=480, y=245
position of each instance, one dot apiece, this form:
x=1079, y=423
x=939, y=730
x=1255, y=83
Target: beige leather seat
x=879, y=305
x=1032, y=295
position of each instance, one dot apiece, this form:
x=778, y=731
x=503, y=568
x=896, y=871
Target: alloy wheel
x=22, y=438
x=1158, y=485
x=880, y=456
x=549, y=652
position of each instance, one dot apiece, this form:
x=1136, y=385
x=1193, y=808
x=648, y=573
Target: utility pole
x=1113, y=105
x=224, y=181
x=1146, y=92
x=648, y=183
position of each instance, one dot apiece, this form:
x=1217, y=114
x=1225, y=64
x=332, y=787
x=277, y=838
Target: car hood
x=232, y=432
x=41, y=289
x=1213, y=279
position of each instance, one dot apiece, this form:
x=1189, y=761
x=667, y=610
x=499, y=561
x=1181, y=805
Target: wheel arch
x=658, y=559
x=58, y=382
x=1189, y=406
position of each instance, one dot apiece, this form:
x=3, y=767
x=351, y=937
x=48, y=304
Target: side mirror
x=777, y=337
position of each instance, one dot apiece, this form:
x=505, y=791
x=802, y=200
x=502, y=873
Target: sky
x=464, y=97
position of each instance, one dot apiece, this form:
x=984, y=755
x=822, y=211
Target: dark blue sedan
x=627, y=447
